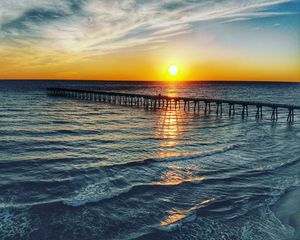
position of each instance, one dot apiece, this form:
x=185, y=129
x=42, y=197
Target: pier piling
x=165, y=102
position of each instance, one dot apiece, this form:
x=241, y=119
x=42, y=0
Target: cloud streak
x=100, y=27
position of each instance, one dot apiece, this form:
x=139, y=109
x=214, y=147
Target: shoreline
x=287, y=210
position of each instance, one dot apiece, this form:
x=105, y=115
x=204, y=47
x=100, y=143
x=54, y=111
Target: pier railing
x=188, y=104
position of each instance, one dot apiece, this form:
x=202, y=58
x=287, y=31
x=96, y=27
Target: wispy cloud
x=99, y=27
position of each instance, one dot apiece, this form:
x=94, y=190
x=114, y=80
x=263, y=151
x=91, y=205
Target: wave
x=288, y=163
x=95, y=193
x=105, y=190
x=274, y=167
x=49, y=160
x=175, y=157
x=176, y=218
x=261, y=223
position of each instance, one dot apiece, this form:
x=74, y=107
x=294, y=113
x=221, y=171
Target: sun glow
x=173, y=70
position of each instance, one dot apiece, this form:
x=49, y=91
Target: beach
x=288, y=211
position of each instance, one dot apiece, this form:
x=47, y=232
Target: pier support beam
x=274, y=116
x=245, y=110
x=258, y=112
x=156, y=102
x=290, y=117
x=231, y=109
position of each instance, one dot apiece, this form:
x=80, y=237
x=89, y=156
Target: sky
x=253, y=40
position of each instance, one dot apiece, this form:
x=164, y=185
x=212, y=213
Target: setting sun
x=173, y=70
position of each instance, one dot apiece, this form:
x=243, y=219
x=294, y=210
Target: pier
x=207, y=105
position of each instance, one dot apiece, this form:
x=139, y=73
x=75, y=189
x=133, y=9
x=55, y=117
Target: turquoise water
x=73, y=169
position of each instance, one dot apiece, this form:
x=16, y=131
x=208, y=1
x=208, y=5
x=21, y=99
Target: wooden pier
x=188, y=104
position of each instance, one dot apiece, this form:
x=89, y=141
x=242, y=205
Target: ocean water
x=72, y=169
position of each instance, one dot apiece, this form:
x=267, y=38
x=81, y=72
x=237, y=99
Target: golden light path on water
x=170, y=124
x=171, y=129
x=175, y=215
x=103, y=162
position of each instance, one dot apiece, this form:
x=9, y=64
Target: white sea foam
x=261, y=224
x=13, y=225
x=94, y=193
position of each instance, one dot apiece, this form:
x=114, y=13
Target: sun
x=173, y=70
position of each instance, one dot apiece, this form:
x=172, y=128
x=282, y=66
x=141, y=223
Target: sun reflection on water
x=175, y=215
x=170, y=130
x=169, y=124
x=177, y=175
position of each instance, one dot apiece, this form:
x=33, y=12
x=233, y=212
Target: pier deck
x=161, y=101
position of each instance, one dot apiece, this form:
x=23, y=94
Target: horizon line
x=160, y=81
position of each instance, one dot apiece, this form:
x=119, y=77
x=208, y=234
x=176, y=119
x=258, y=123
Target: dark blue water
x=73, y=169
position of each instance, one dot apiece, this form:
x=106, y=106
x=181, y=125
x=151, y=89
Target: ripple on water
x=79, y=170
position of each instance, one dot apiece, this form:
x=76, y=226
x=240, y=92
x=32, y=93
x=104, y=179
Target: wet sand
x=287, y=209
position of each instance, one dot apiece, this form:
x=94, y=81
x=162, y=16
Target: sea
x=74, y=169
